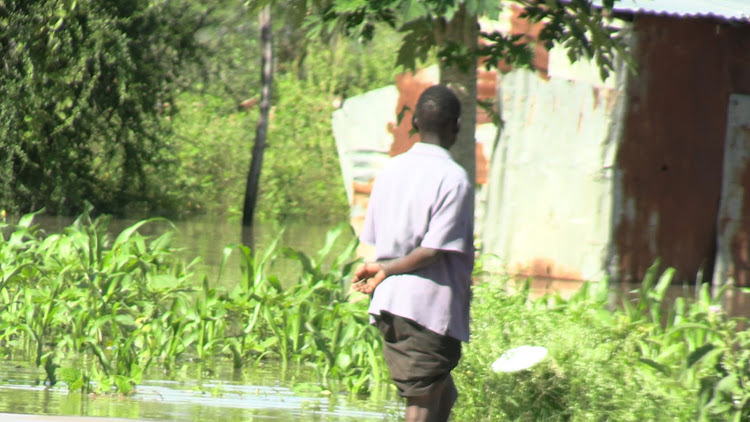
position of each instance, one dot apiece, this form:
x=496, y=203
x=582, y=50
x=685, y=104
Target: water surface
x=215, y=391
x=221, y=395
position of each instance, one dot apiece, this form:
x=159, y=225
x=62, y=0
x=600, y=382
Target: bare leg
x=447, y=399
x=424, y=408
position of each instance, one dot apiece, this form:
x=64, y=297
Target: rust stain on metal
x=673, y=142
x=740, y=245
x=483, y=165
x=530, y=34
x=411, y=86
x=546, y=268
x=596, y=92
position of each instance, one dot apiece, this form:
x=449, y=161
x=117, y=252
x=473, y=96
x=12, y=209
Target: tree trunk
x=463, y=29
x=261, y=129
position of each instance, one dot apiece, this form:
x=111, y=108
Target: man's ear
x=414, y=122
x=458, y=125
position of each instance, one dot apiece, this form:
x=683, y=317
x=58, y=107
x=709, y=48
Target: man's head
x=437, y=115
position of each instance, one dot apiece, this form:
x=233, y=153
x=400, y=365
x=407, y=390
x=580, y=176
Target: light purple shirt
x=424, y=198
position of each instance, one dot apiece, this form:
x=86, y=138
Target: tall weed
x=96, y=312
x=633, y=358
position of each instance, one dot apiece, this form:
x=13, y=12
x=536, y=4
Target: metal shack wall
x=551, y=177
x=670, y=161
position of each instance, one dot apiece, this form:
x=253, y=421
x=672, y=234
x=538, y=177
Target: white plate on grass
x=519, y=358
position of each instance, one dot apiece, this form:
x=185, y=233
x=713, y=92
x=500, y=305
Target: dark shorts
x=418, y=359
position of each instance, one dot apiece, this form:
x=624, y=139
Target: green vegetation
x=96, y=312
x=118, y=307
x=135, y=107
x=638, y=359
x=84, y=88
x=301, y=175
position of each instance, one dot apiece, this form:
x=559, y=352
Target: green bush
x=97, y=114
x=84, y=84
x=301, y=175
x=211, y=141
x=636, y=358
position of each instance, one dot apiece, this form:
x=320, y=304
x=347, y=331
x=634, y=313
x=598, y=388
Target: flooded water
x=195, y=393
x=260, y=394
x=206, y=237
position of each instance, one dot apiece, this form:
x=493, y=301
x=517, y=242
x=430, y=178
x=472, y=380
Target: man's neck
x=430, y=138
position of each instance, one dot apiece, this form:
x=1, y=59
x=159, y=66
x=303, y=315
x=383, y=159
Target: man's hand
x=368, y=276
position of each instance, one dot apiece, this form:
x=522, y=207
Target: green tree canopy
x=85, y=89
x=580, y=26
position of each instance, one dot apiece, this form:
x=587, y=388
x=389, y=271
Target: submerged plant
x=311, y=321
x=125, y=304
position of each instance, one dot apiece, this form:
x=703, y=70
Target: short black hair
x=437, y=108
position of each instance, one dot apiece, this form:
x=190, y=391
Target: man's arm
x=369, y=275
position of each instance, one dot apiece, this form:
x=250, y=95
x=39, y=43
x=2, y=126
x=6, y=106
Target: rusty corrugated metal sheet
x=410, y=87
x=362, y=129
x=733, y=256
x=670, y=161
x=517, y=25
x=721, y=9
x=550, y=193
x=367, y=133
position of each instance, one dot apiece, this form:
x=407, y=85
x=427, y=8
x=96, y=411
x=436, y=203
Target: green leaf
x=729, y=385
x=664, y=281
x=656, y=365
x=307, y=264
x=123, y=384
x=698, y=353
x=275, y=283
x=343, y=360
x=413, y=10
x=472, y=7
x=72, y=377
x=255, y=5
x=307, y=388
x=686, y=326
x=26, y=220
x=416, y=44
x=125, y=319
x=268, y=343
x=125, y=235
x=331, y=237
x=349, y=6
x=163, y=282
x=136, y=373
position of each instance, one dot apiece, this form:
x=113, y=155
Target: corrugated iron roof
x=722, y=9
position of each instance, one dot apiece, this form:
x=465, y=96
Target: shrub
x=633, y=359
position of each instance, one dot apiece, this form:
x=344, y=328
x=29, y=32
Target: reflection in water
x=206, y=238
x=215, y=398
x=223, y=394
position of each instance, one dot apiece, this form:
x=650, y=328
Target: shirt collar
x=429, y=149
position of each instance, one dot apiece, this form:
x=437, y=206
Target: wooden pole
x=261, y=129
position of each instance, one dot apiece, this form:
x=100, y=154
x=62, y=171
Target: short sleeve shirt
x=424, y=198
